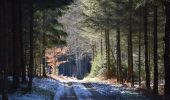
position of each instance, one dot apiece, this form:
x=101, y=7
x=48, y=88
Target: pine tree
x=155, y=50
x=147, y=69
x=167, y=48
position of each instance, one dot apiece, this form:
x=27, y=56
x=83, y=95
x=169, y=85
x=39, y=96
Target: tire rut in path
x=69, y=93
x=96, y=94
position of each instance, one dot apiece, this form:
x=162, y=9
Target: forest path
x=66, y=88
x=81, y=91
x=95, y=94
x=72, y=89
x=78, y=90
x=69, y=93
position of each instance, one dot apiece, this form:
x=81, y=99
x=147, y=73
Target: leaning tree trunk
x=167, y=49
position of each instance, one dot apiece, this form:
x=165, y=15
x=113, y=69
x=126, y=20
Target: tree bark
x=21, y=43
x=93, y=50
x=139, y=60
x=155, y=50
x=101, y=47
x=130, y=48
x=147, y=69
x=109, y=69
x=4, y=47
x=119, y=69
x=107, y=41
x=16, y=44
x=44, y=40
x=167, y=49
x=31, y=63
x=44, y=72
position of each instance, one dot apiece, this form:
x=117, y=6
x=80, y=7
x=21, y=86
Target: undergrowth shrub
x=98, y=66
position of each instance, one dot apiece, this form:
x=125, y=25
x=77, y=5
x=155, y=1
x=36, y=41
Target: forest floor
x=65, y=88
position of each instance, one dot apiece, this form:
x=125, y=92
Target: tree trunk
x=101, y=47
x=93, y=50
x=31, y=63
x=155, y=50
x=16, y=44
x=21, y=43
x=4, y=47
x=147, y=69
x=130, y=48
x=167, y=49
x=139, y=60
x=40, y=66
x=44, y=73
x=108, y=53
x=109, y=69
x=119, y=69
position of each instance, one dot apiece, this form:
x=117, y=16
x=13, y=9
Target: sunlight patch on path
x=76, y=88
x=81, y=92
x=55, y=86
x=69, y=93
x=64, y=79
x=119, y=92
x=64, y=88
